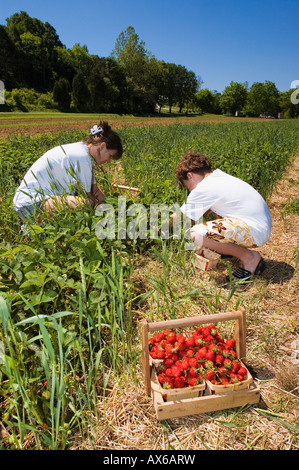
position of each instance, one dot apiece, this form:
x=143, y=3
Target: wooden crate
x=219, y=389
x=209, y=400
x=172, y=394
x=206, y=259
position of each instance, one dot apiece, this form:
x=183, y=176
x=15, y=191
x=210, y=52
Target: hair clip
x=96, y=130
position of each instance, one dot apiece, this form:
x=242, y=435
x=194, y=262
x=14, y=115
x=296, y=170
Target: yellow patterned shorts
x=226, y=230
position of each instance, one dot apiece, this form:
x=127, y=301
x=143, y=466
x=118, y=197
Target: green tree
x=263, y=98
x=205, y=100
x=9, y=61
x=35, y=42
x=130, y=53
x=80, y=93
x=290, y=110
x=186, y=86
x=117, y=77
x=171, y=84
x=62, y=94
x=234, y=97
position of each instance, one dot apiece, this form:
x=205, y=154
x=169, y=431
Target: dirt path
x=281, y=251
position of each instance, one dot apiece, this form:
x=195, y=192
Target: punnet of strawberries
x=186, y=360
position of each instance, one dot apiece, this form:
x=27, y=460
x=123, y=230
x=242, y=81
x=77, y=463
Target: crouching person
x=243, y=221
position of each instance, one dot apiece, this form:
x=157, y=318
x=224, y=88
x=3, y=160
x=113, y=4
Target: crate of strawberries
x=190, y=367
x=195, y=361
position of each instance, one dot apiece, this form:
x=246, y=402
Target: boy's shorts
x=226, y=230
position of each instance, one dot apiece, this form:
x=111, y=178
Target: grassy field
x=71, y=304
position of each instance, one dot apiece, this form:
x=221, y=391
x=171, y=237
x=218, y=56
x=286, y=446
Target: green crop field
x=71, y=303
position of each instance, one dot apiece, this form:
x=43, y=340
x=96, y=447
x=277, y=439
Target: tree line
x=38, y=70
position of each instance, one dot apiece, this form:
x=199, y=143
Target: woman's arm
x=96, y=196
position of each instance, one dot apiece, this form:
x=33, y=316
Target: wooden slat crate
x=206, y=259
x=172, y=394
x=211, y=399
x=219, y=389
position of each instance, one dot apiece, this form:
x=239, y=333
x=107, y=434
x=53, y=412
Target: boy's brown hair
x=194, y=162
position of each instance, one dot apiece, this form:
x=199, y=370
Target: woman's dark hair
x=109, y=136
x=194, y=162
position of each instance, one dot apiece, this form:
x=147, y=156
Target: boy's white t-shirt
x=229, y=196
x=56, y=172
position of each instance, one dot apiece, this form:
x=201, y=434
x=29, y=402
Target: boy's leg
x=249, y=258
x=229, y=237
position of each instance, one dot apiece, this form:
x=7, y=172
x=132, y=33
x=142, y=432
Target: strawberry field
x=71, y=303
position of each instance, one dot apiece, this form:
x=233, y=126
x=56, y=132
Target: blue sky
x=219, y=40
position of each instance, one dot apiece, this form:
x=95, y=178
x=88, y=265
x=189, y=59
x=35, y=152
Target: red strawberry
x=210, y=356
x=234, y=379
x=192, y=382
x=168, y=372
x=176, y=371
x=160, y=354
x=161, y=378
x=190, y=341
x=205, y=331
x=224, y=381
x=169, y=382
x=159, y=336
x=180, y=337
x=242, y=371
x=222, y=371
x=192, y=372
x=198, y=331
x=219, y=359
x=213, y=347
x=209, y=364
x=210, y=375
x=169, y=349
x=227, y=363
x=202, y=351
x=168, y=362
x=161, y=367
x=192, y=361
x=226, y=352
x=190, y=352
x=178, y=363
x=199, y=376
x=230, y=343
x=170, y=338
x=179, y=382
x=180, y=345
x=185, y=364
x=210, y=339
x=153, y=353
x=235, y=366
x=174, y=357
